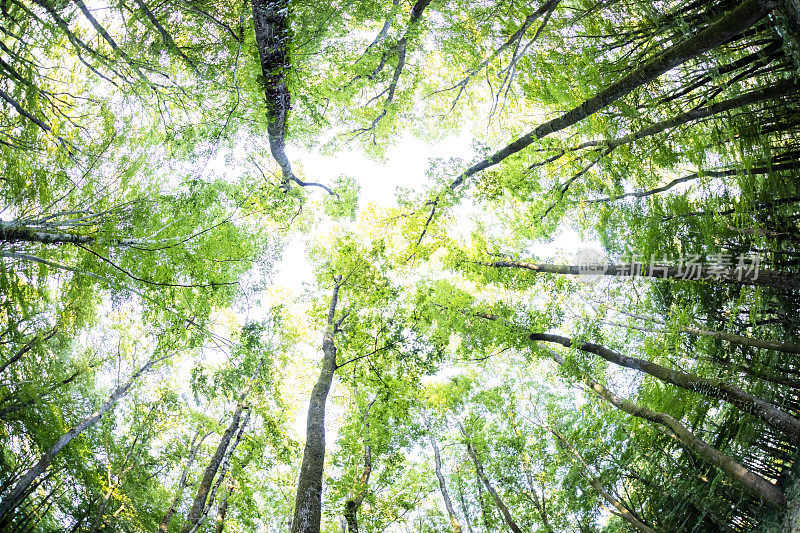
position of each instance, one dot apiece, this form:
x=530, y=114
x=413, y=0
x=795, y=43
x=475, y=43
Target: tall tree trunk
x=442, y=485
x=736, y=21
x=506, y=514
x=199, y=505
x=271, y=25
x=734, y=276
x=308, y=500
x=464, y=508
x=754, y=483
x=622, y=510
x=194, y=447
x=14, y=497
x=713, y=388
x=352, y=505
x=781, y=88
x=223, y=510
x=25, y=349
x=222, y=471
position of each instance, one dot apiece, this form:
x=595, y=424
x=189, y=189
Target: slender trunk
x=776, y=167
x=754, y=483
x=223, y=510
x=8, y=410
x=509, y=520
x=780, y=88
x=622, y=510
x=352, y=505
x=538, y=503
x=165, y=36
x=82, y=517
x=690, y=272
x=13, y=498
x=25, y=349
x=199, y=505
x=713, y=388
x=194, y=447
x=102, y=31
x=464, y=507
x=222, y=471
x=443, y=486
x=308, y=500
x=484, y=508
x=736, y=21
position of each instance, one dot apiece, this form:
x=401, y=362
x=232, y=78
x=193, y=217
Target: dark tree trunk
x=622, y=510
x=271, y=24
x=714, y=388
x=443, y=486
x=193, y=517
x=745, y=15
x=754, y=483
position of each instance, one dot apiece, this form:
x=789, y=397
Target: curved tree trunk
x=713, y=388
x=271, y=24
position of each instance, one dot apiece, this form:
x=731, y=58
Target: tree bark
x=713, y=388
x=775, y=167
x=781, y=88
x=753, y=483
x=223, y=510
x=199, y=505
x=271, y=25
x=509, y=520
x=308, y=500
x=443, y=486
x=352, y=505
x=621, y=509
x=14, y=497
x=194, y=447
x=464, y=508
x=25, y=349
x=222, y=471
x=739, y=19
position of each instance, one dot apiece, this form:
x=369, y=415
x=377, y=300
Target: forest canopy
x=410, y=265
